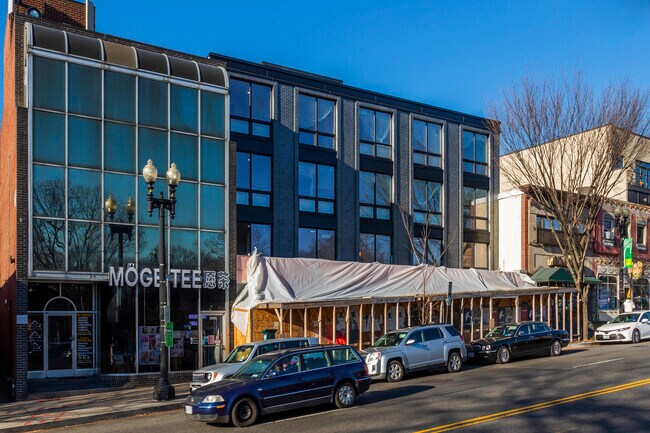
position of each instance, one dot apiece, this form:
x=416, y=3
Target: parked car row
x=276, y=375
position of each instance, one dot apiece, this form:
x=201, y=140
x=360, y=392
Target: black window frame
x=316, y=199
x=250, y=191
x=474, y=162
x=374, y=204
x=427, y=212
x=642, y=174
x=375, y=143
x=487, y=255
x=316, y=132
x=249, y=237
x=426, y=152
x=249, y=119
x=472, y=217
x=427, y=253
x=318, y=256
x=374, y=243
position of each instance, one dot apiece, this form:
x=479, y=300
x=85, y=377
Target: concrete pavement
x=80, y=409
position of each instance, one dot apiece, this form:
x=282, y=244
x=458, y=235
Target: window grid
x=475, y=208
x=375, y=141
x=379, y=206
x=322, y=243
x=322, y=134
x=427, y=143
x=319, y=202
x=475, y=153
x=250, y=123
x=429, y=207
x=99, y=221
x=607, y=293
x=375, y=248
x=254, y=196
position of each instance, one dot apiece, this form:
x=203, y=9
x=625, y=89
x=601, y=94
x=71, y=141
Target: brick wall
x=62, y=11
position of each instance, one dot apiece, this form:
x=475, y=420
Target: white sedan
x=627, y=327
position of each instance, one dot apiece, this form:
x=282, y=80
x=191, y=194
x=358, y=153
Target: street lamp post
x=163, y=389
x=622, y=220
x=120, y=230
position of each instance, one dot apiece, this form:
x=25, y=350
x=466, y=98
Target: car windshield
x=502, y=331
x=239, y=354
x=253, y=368
x=626, y=318
x=390, y=339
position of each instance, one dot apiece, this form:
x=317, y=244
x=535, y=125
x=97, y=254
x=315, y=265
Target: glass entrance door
x=61, y=353
x=211, y=338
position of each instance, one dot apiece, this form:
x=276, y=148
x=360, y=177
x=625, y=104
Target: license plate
x=188, y=410
x=470, y=354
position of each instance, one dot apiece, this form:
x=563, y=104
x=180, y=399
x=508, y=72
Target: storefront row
x=86, y=329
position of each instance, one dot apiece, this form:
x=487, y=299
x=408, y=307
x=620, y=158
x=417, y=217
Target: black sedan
x=518, y=339
x=282, y=380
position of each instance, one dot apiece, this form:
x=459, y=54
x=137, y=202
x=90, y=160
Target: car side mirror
x=272, y=373
x=410, y=341
x=609, y=322
x=520, y=333
x=644, y=320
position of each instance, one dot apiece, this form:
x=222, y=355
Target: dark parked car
x=282, y=380
x=504, y=342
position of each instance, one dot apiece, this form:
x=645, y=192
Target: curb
x=94, y=418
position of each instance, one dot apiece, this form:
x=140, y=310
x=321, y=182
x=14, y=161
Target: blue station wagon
x=282, y=380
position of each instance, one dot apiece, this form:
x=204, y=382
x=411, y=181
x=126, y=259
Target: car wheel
x=395, y=371
x=244, y=413
x=636, y=336
x=345, y=395
x=454, y=363
x=556, y=348
x=503, y=355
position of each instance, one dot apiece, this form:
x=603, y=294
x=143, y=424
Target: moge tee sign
x=147, y=277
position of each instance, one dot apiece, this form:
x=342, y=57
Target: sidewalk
x=80, y=409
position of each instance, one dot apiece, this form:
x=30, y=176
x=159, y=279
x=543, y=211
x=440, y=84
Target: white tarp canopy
x=287, y=280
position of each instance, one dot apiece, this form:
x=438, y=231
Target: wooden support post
x=480, y=306
x=571, y=317
x=333, y=324
x=541, y=307
x=491, y=315
x=347, y=325
x=548, y=310
x=305, y=325
x=451, y=311
x=462, y=316
x=360, y=326
x=564, y=311
x=409, y=314
x=320, y=325
x=517, y=314
x=397, y=315
x=249, y=338
x=557, y=319
x=442, y=311
x=534, y=306
x=385, y=318
x=578, y=317
x=290, y=322
x=372, y=323
x=471, y=326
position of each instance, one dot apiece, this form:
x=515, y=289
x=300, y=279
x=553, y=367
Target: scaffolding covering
x=288, y=280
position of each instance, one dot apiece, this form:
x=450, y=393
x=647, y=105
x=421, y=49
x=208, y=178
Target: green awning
x=550, y=276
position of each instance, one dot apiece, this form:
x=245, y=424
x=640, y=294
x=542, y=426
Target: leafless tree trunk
x=569, y=148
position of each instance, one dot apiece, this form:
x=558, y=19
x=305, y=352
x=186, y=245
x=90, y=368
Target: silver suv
x=416, y=348
x=241, y=354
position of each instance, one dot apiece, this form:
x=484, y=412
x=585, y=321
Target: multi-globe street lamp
x=622, y=220
x=163, y=389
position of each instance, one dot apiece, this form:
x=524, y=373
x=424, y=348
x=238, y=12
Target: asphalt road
x=587, y=389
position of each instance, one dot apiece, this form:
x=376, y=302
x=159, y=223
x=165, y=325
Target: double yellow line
x=534, y=407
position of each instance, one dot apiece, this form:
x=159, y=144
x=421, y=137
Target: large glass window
x=316, y=187
x=250, y=108
x=374, y=248
x=152, y=103
x=427, y=202
x=188, y=210
x=642, y=174
x=375, y=195
x=316, y=121
x=213, y=157
x=48, y=137
x=183, y=247
x=119, y=147
x=475, y=153
x=49, y=83
x=607, y=298
x=213, y=249
x=119, y=97
x=253, y=236
x=49, y=191
x=84, y=90
x=426, y=138
x=84, y=142
x=374, y=133
x=608, y=230
x=212, y=114
x=475, y=255
x=49, y=245
x=84, y=194
x=184, y=109
x=185, y=154
x=84, y=247
x=213, y=207
x=316, y=243
x=253, y=179
x=427, y=251
x=475, y=208
x=118, y=330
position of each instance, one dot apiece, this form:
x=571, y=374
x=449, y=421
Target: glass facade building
x=94, y=123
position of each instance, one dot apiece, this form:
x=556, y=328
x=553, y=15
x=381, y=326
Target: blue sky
x=453, y=54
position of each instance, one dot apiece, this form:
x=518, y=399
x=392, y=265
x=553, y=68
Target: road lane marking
x=534, y=407
x=309, y=415
x=599, y=362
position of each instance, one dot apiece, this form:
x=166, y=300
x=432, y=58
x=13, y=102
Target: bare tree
x=569, y=148
x=422, y=245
